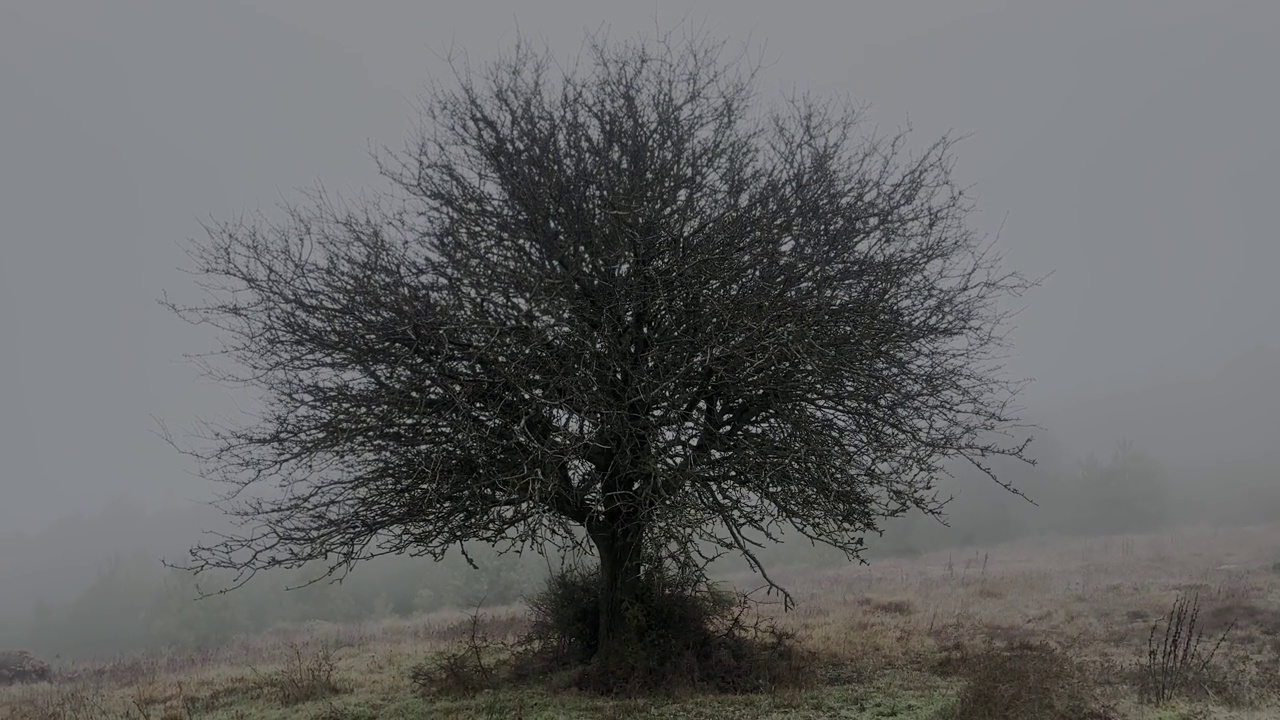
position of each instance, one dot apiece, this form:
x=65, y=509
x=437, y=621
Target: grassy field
x=1038, y=629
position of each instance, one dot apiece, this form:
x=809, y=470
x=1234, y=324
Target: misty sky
x=1129, y=147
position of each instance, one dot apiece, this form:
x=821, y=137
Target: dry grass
x=1059, y=624
x=1027, y=681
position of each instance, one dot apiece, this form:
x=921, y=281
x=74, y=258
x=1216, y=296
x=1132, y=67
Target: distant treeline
x=130, y=601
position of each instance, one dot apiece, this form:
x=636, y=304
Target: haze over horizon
x=1126, y=149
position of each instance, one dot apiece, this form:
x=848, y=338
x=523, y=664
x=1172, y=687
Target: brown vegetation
x=1050, y=629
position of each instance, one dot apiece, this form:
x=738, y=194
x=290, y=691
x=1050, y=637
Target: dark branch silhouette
x=621, y=302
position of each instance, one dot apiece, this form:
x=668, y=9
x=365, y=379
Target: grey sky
x=1131, y=146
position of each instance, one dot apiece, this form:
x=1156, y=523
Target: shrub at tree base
x=684, y=635
x=20, y=666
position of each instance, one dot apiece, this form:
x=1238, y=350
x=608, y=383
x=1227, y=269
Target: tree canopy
x=618, y=301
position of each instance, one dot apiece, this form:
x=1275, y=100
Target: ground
x=1015, y=631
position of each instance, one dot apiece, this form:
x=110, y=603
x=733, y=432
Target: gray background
x=1129, y=147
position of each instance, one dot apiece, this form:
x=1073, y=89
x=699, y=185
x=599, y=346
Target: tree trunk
x=620, y=552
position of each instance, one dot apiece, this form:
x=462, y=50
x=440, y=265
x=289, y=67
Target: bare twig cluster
x=1175, y=663
x=307, y=674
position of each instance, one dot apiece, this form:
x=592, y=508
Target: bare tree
x=619, y=300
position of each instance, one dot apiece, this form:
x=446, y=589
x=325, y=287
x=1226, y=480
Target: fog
x=1125, y=150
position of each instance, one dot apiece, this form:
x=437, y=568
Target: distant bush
x=20, y=666
x=1129, y=493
